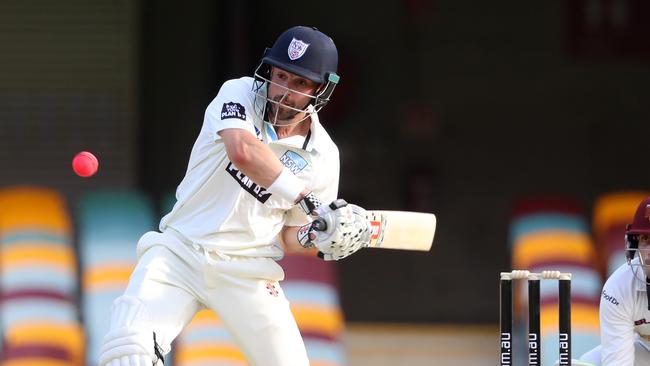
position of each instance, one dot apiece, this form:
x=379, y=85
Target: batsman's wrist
x=287, y=186
x=310, y=203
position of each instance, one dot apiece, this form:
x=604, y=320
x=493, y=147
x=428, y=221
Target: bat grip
x=319, y=224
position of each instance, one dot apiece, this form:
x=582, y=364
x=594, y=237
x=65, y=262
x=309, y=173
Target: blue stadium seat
x=109, y=226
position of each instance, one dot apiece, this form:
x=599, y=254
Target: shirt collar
x=318, y=136
x=315, y=139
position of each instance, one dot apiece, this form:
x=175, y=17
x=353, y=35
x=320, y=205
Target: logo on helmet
x=296, y=49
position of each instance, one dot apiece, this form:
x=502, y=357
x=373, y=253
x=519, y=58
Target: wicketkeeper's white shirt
x=624, y=319
x=220, y=208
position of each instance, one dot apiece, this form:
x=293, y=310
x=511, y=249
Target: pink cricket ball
x=85, y=164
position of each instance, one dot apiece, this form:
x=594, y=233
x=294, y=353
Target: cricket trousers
x=175, y=279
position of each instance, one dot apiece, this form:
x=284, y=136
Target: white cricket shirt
x=220, y=208
x=624, y=317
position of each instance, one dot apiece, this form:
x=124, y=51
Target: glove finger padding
x=337, y=223
x=350, y=232
x=361, y=221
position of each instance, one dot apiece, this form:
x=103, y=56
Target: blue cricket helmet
x=304, y=51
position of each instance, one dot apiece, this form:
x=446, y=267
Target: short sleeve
x=231, y=108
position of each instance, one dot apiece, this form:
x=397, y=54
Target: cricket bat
x=398, y=229
x=402, y=230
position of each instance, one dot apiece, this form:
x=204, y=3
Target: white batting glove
x=312, y=205
x=351, y=237
x=341, y=232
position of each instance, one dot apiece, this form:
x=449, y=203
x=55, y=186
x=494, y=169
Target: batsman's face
x=289, y=90
x=644, y=253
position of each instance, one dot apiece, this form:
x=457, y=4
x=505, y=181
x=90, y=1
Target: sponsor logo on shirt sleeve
x=293, y=161
x=610, y=298
x=260, y=193
x=233, y=110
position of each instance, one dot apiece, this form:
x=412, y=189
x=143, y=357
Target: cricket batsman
x=260, y=170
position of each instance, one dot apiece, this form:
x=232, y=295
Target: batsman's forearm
x=251, y=156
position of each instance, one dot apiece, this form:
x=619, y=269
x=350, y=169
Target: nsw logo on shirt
x=247, y=184
x=233, y=110
x=293, y=161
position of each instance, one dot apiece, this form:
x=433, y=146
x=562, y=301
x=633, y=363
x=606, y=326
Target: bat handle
x=319, y=224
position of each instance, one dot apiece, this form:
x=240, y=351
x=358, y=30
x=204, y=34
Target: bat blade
x=402, y=230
